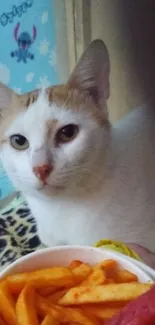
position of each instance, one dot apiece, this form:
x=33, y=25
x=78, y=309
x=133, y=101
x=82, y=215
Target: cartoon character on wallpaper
x=24, y=41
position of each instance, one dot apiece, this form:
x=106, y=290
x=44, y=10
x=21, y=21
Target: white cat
x=83, y=179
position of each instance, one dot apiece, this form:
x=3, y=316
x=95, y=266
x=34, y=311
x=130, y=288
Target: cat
x=83, y=179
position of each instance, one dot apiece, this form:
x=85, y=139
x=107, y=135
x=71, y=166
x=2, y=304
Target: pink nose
x=42, y=172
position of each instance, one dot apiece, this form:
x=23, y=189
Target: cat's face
x=52, y=140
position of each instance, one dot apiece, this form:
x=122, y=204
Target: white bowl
x=144, y=267
x=63, y=255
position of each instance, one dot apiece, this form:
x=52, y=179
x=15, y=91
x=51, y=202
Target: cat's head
x=53, y=140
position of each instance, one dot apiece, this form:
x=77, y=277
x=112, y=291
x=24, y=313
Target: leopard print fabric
x=18, y=233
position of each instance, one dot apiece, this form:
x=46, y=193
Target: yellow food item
x=119, y=247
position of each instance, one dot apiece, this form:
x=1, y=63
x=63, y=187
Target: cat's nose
x=42, y=172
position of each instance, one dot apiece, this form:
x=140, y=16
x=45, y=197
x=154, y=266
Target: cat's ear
x=8, y=100
x=92, y=72
x=6, y=96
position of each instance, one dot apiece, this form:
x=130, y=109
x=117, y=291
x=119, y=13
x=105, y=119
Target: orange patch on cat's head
x=9, y=111
x=63, y=96
x=76, y=100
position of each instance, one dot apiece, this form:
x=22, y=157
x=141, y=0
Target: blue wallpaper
x=28, y=51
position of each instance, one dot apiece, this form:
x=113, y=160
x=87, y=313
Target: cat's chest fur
x=123, y=208
x=87, y=222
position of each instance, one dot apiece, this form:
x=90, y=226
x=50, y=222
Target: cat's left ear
x=92, y=72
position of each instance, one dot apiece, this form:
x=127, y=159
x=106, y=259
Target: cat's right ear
x=9, y=102
x=6, y=97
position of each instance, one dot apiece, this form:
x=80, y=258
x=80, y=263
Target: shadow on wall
x=127, y=27
x=139, y=16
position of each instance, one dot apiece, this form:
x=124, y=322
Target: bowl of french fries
x=72, y=285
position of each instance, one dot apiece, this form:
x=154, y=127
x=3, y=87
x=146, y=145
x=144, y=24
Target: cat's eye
x=67, y=133
x=19, y=142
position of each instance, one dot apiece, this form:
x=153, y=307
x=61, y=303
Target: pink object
x=138, y=312
x=42, y=172
x=16, y=31
x=34, y=34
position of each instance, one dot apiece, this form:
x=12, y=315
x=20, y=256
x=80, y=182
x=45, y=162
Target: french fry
x=56, y=296
x=7, y=305
x=25, y=307
x=82, y=272
x=74, y=264
x=55, y=276
x=2, y=322
x=101, y=312
x=97, y=277
x=125, y=276
x=107, y=265
x=103, y=293
x=49, y=320
x=46, y=291
x=63, y=315
x=110, y=281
